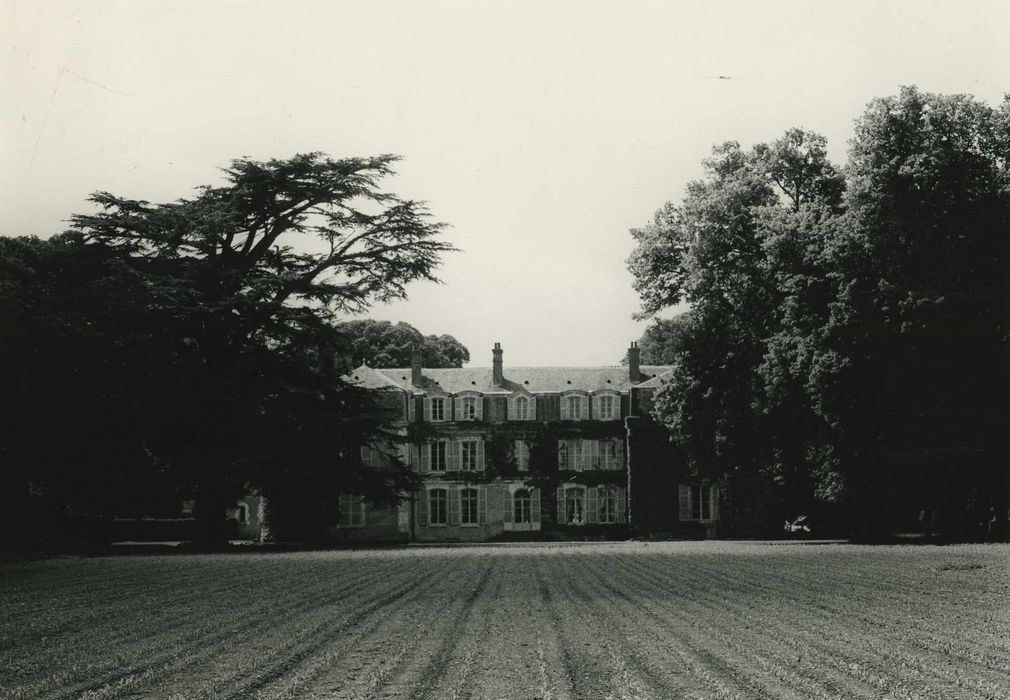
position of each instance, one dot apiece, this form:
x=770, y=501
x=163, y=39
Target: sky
x=541, y=132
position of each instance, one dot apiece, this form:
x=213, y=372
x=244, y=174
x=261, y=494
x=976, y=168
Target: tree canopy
x=203, y=336
x=847, y=333
x=383, y=344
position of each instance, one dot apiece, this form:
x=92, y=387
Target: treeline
x=845, y=355
x=187, y=350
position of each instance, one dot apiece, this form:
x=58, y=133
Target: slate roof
x=534, y=380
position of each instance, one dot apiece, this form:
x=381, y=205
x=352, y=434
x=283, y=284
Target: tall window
x=605, y=407
x=521, y=506
x=352, y=510
x=575, y=502
x=563, y=454
x=608, y=454
x=522, y=408
x=469, y=408
x=438, y=502
x=438, y=455
x=242, y=514
x=701, y=502
x=468, y=506
x=468, y=455
x=522, y=455
x=438, y=409
x=574, y=408
x=608, y=505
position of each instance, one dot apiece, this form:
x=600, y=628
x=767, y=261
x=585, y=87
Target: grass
x=705, y=620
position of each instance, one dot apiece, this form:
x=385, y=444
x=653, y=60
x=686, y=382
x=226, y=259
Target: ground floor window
x=521, y=503
x=468, y=507
x=607, y=505
x=575, y=505
x=352, y=510
x=438, y=511
x=699, y=502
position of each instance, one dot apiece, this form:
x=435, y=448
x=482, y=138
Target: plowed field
x=667, y=620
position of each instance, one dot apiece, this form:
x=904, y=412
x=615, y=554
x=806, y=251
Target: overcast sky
x=540, y=131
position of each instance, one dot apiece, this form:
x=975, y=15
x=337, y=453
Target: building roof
x=522, y=379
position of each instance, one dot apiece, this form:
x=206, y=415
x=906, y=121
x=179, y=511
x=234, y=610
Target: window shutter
x=597, y=456
x=511, y=415
x=621, y=495
x=482, y=505
x=564, y=407
x=453, y=449
x=427, y=409
x=594, y=407
x=618, y=454
x=714, y=495
x=685, y=502
x=425, y=458
x=454, y=496
x=422, y=507
x=507, y=507
x=411, y=408
x=561, y=506
x=480, y=455
x=535, y=506
x=479, y=404
x=531, y=407
x=592, y=505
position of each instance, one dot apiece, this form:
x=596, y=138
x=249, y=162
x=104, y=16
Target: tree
x=663, y=340
x=239, y=288
x=385, y=345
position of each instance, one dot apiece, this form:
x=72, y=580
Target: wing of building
x=528, y=452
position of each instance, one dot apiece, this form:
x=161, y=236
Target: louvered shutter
x=535, y=506
x=411, y=408
x=511, y=408
x=594, y=407
x=531, y=407
x=592, y=506
x=480, y=455
x=479, y=405
x=564, y=407
x=561, y=506
x=427, y=409
x=714, y=495
x=482, y=505
x=452, y=455
x=685, y=502
x=562, y=455
x=426, y=458
x=454, y=496
x=507, y=508
x=422, y=508
x=618, y=447
x=619, y=498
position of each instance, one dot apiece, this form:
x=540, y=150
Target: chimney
x=415, y=367
x=497, y=377
x=634, y=360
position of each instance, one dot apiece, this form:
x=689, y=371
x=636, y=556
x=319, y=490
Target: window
x=605, y=407
x=438, y=455
x=521, y=506
x=522, y=455
x=608, y=505
x=468, y=507
x=563, y=454
x=522, y=408
x=608, y=454
x=468, y=455
x=469, y=410
x=352, y=510
x=437, y=409
x=242, y=514
x=574, y=407
x=438, y=501
x=701, y=502
x=575, y=506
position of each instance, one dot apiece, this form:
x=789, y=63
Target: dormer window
x=573, y=407
x=469, y=407
x=606, y=406
x=522, y=407
x=435, y=409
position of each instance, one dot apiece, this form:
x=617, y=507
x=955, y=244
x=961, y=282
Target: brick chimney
x=497, y=376
x=634, y=363
x=415, y=367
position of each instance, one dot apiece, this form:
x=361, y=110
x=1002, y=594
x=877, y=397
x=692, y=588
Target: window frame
x=524, y=412
x=469, y=496
x=445, y=456
x=582, y=493
x=615, y=405
x=471, y=442
x=438, y=493
x=606, y=502
x=441, y=405
x=352, y=512
x=522, y=506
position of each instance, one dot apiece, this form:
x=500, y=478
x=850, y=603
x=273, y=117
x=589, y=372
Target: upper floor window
x=606, y=407
x=522, y=455
x=437, y=409
x=573, y=407
x=468, y=507
x=439, y=457
x=438, y=512
x=609, y=455
x=469, y=407
x=522, y=408
x=469, y=457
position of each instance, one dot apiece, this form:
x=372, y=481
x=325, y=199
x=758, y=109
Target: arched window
x=521, y=503
x=522, y=405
